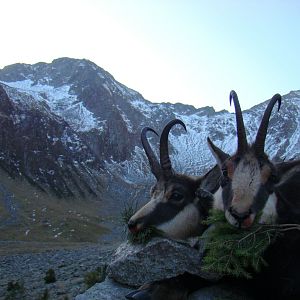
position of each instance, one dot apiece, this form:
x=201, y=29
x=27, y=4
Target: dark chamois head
x=173, y=207
x=248, y=177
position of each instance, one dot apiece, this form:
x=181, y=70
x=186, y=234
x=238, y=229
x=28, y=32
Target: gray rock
x=106, y=290
x=135, y=265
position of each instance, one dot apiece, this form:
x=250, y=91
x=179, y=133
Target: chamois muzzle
x=134, y=226
x=240, y=217
x=242, y=220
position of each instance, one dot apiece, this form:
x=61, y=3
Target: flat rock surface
x=135, y=265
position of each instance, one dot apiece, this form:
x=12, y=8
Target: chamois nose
x=240, y=217
x=132, y=226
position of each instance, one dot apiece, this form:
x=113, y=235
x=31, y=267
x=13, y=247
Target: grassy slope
x=45, y=218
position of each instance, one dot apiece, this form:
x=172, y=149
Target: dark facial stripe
x=227, y=194
x=162, y=213
x=260, y=199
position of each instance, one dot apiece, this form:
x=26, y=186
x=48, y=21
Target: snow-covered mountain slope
x=191, y=154
x=59, y=100
x=41, y=147
x=106, y=118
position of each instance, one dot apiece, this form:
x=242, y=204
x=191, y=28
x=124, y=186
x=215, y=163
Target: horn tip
x=232, y=95
x=278, y=98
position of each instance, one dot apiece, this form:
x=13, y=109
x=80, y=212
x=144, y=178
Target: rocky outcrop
x=134, y=265
x=38, y=145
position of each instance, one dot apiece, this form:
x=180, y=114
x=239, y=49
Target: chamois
x=251, y=185
x=175, y=207
x=178, y=205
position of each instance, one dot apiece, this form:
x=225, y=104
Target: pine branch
x=239, y=252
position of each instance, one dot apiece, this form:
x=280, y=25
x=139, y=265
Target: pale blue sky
x=188, y=51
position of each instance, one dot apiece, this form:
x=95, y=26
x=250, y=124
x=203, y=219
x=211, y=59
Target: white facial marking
x=245, y=183
x=218, y=200
x=148, y=207
x=269, y=213
x=183, y=225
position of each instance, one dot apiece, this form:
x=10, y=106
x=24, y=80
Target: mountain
x=69, y=128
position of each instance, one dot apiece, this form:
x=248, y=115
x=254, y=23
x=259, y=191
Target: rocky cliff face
x=69, y=124
x=43, y=148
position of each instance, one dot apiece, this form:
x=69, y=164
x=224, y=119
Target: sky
x=188, y=51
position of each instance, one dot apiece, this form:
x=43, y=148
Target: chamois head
x=248, y=177
x=174, y=207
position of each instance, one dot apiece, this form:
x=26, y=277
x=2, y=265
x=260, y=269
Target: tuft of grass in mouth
x=128, y=211
x=142, y=237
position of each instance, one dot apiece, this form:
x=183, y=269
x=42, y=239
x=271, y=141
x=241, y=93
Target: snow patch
x=60, y=101
x=145, y=108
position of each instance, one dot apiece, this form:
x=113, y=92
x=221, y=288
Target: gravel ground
x=70, y=266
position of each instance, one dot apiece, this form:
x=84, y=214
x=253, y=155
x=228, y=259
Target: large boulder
x=136, y=265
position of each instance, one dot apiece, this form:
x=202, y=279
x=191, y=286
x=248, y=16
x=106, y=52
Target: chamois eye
x=224, y=178
x=225, y=172
x=176, y=196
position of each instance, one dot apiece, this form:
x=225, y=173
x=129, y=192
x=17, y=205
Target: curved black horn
x=154, y=164
x=165, y=162
x=240, y=127
x=259, y=143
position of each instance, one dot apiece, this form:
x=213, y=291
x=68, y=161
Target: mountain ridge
x=107, y=118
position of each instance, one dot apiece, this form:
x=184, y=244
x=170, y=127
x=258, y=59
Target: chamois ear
x=284, y=167
x=210, y=181
x=218, y=154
